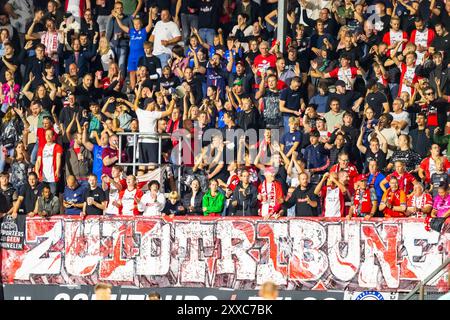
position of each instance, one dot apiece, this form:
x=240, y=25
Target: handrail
x=420, y=286
x=138, y=135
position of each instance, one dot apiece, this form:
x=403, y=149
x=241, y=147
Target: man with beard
x=303, y=198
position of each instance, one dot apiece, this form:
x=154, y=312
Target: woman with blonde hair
x=174, y=206
x=105, y=53
x=343, y=31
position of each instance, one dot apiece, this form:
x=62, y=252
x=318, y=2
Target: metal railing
x=137, y=136
x=421, y=285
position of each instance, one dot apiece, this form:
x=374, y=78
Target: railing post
x=120, y=150
x=159, y=151
x=421, y=291
x=134, y=153
x=179, y=164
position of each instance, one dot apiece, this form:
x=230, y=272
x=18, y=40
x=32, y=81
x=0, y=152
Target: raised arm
x=105, y=107
x=84, y=138
x=359, y=143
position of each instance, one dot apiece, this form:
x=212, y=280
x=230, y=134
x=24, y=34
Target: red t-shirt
x=265, y=63
x=405, y=181
x=111, y=153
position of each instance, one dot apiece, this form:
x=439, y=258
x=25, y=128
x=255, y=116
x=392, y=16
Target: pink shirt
x=6, y=92
x=441, y=205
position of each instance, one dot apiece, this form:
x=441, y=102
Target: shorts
x=148, y=152
x=132, y=63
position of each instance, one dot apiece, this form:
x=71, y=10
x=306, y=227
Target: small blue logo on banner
x=370, y=295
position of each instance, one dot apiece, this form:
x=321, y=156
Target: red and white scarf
x=271, y=206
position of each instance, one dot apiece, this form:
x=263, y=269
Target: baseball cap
x=361, y=177
x=242, y=63
x=315, y=133
x=270, y=170
x=340, y=83
x=237, y=82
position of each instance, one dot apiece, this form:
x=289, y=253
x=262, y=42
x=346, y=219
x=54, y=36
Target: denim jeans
x=188, y=21
x=207, y=35
x=34, y=151
x=121, y=56
x=163, y=57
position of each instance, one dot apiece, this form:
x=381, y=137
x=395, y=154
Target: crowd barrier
x=239, y=253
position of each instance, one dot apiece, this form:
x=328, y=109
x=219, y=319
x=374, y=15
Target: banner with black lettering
x=12, y=232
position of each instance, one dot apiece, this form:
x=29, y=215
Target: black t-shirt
x=420, y=142
x=104, y=10
x=346, y=100
x=443, y=44
x=152, y=63
x=379, y=157
x=292, y=99
x=189, y=6
x=86, y=96
x=302, y=208
x=29, y=197
x=171, y=82
x=375, y=100
x=208, y=15
x=10, y=195
x=99, y=196
x=3, y=204
x=90, y=30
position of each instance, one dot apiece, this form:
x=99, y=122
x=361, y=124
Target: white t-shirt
x=107, y=58
x=164, y=31
x=147, y=123
x=333, y=207
x=402, y=116
x=128, y=202
x=48, y=171
x=113, y=196
x=149, y=207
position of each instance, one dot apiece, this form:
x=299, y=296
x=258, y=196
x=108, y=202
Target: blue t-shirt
x=76, y=196
x=137, y=39
x=97, y=164
x=289, y=139
x=220, y=122
x=321, y=102
x=376, y=185
x=226, y=55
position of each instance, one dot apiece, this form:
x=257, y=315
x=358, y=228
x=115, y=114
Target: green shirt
x=129, y=6
x=213, y=204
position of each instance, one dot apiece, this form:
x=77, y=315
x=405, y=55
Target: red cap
x=360, y=177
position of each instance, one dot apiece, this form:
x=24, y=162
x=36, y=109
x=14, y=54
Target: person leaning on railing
x=47, y=204
x=213, y=201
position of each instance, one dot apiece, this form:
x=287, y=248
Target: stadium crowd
x=350, y=110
